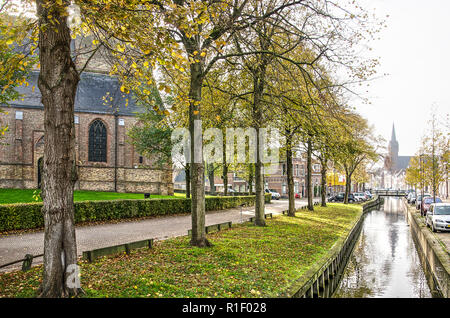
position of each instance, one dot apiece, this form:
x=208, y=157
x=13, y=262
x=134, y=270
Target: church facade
x=106, y=160
x=394, y=162
x=393, y=174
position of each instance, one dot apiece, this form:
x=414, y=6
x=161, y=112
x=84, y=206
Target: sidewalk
x=90, y=237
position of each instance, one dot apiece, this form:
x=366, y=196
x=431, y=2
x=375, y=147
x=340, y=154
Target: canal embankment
x=322, y=278
x=434, y=255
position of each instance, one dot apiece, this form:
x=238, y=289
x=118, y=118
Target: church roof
x=393, y=137
x=402, y=162
x=92, y=89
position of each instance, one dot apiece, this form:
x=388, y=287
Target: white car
x=438, y=218
x=275, y=194
x=360, y=196
x=410, y=197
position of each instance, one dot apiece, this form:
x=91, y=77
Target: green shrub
x=28, y=215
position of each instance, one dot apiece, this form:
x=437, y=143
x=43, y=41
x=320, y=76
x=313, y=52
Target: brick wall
x=23, y=145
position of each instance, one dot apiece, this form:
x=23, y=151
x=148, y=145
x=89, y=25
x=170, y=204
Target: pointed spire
x=393, y=138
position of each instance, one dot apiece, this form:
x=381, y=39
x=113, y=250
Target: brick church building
x=106, y=160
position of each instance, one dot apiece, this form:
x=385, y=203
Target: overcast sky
x=415, y=52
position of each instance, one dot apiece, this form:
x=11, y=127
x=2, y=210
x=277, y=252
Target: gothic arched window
x=97, y=141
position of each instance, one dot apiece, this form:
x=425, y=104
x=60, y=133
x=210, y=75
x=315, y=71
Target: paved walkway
x=90, y=237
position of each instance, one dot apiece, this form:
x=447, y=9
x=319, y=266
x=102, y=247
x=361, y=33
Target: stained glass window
x=97, y=141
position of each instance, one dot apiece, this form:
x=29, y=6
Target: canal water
x=384, y=262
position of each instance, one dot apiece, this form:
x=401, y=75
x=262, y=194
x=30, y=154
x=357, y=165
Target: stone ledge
x=430, y=246
x=301, y=286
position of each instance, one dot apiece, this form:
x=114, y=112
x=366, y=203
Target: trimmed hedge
x=22, y=216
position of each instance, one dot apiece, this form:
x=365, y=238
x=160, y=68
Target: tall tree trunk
x=258, y=85
x=187, y=172
x=309, y=175
x=212, y=187
x=290, y=175
x=224, y=169
x=250, y=178
x=348, y=186
x=197, y=165
x=259, y=193
x=323, y=171
x=58, y=81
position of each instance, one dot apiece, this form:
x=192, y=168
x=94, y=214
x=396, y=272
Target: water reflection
x=384, y=262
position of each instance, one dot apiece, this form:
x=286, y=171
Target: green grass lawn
x=26, y=196
x=245, y=261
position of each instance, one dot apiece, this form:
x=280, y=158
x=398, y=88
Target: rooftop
x=91, y=91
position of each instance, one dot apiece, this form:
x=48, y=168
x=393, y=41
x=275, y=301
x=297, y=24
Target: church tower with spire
x=393, y=148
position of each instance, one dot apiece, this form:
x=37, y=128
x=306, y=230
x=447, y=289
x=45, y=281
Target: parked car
x=438, y=217
x=340, y=198
x=336, y=198
x=410, y=197
x=419, y=200
x=360, y=196
x=426, y=202
x=368, y=194
x=275, y=194
x=298, y=196
x=351, y=198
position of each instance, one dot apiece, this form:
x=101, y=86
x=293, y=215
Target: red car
x=297, y=196
x=425, y=204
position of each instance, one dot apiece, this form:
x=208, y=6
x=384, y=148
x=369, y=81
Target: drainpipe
x=116, y=118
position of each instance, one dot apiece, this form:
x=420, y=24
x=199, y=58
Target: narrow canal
x=384, y=262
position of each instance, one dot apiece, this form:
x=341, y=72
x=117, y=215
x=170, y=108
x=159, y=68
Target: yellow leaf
x=123, y=89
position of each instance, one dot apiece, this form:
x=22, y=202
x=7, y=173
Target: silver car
x=412, y=198
x=438, y=218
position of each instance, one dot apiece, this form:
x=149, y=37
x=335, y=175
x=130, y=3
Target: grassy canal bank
x=245, y=261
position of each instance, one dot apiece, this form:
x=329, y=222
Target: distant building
x=278, y=180
x=393, y=174
x=394, y=162
x=106, y=161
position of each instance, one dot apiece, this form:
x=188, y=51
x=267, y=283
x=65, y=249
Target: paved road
x=90, y=237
